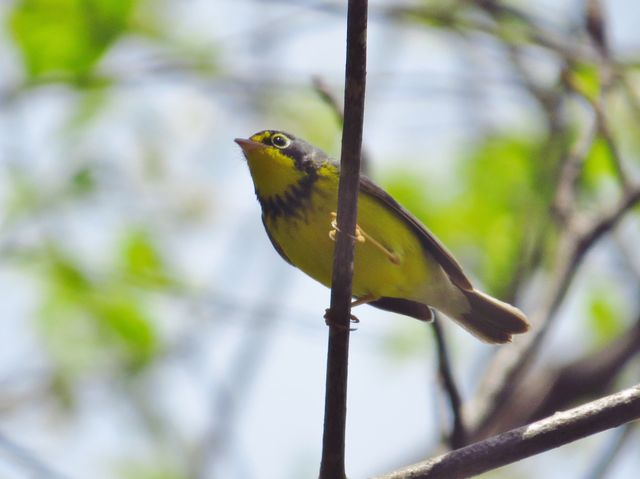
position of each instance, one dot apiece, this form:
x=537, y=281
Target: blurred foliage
x=501, y=197
x=585, y=78
x=302, y=111
x=403, y=344
x=67, y=36
x=102, y=316
x=98, y=315
x=606, y=311
x=507, y=24
x=83, y=181
x=598, y=167
x=598, y=178
x=141, y=262
x=161, y=468
x=23, y=196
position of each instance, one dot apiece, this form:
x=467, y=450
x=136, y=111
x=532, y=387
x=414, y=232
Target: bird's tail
x=491, y=320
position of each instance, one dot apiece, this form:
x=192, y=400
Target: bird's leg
x=361, y=236
x=362, y=300
x=334, y=229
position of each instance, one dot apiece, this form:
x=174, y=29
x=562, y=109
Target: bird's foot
x=361, y=237
x=329, y=321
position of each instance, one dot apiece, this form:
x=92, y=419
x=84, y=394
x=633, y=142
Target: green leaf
x=91, y=320
x=82, y=181
x=67, y=36
x=66, y=276
x=122, y=318
x=604, y=315
x=598, y=178
x=598, y=165
x=141, y=261
x=585, y=77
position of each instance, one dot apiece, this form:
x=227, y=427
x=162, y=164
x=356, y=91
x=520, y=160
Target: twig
x=513, y=362
x=26, y=458
x=323, y=90
x=333, y=440
x=575, y=239
x=595, y=26
x=605, y=133
x=611, y=452
x=555, y=389
x=531, y=30
x=570, y=171
x=590, y=375
x=458, y=436
x=230, y=396
x=633, y=101
x=561, y=428
x=325, y=93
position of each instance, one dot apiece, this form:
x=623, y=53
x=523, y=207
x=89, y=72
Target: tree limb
x=583, y=379
x=338, y=316
x=561, y=428
x=513, y=362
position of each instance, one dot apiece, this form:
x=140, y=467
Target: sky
x=268, y=316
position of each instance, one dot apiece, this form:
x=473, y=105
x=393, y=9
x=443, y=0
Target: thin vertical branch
x=333, y=441
x=458, y=435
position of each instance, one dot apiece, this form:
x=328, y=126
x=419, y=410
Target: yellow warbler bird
x=399, y=265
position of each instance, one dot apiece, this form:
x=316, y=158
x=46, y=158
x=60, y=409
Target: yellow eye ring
x=280, y=141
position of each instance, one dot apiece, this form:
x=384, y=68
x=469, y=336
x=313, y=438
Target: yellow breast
x=396, y=266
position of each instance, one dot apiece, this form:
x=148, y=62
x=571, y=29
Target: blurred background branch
x=146, y=325
x=557, y=430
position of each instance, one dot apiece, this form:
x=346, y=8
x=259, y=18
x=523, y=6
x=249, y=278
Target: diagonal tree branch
x=24, y=457
x=333, y=441
x=561, y=428
x=577, y=236
x=514, y=362
x=324, y=92
x=556, y=389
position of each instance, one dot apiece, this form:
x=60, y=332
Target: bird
x=399, y=265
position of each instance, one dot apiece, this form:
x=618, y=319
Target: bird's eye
x=280, y=141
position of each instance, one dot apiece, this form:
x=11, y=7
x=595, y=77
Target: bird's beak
x=249, y=145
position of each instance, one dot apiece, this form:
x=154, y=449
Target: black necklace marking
x=293, y=202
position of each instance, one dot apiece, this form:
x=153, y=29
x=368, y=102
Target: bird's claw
x=329, y=321
x=359, y=237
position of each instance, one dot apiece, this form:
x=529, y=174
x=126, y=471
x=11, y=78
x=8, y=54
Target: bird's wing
x=429, y=242
x=404, y=306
